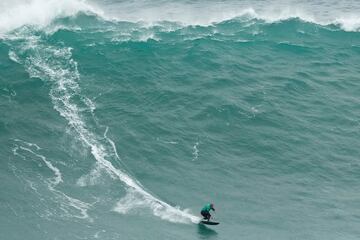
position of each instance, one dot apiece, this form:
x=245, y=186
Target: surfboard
x=209, y=222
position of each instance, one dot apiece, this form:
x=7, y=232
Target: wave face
x=121, y=118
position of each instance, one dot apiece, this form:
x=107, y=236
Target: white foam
x=196, y=151
x=111, y=143
x=97, y=234
x=90, y=104
x=91, y=178
x=15, y=152
x=275, y=15
x=13, y=57
x=349, y=23
x=79, y=205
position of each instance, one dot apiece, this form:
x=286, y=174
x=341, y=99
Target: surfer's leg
x=207, y=216
x=204, y=214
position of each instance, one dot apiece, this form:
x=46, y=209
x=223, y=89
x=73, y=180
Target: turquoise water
x=117, y=128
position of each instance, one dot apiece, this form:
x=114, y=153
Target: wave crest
x=40, y=13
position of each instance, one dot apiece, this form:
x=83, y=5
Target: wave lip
x=350, y=24
x=17, y=13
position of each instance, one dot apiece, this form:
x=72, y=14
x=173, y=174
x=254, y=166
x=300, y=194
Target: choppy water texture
x=120, y=119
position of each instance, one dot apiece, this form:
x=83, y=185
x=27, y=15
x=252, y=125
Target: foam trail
x=28, y=144
x=135, y=200
x=81, y=206
x=58, y=178
x=61, y=70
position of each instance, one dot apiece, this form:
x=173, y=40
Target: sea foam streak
x=56, y=66
x=67, y=203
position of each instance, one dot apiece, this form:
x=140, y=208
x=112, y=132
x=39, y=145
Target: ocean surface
x=121, y=119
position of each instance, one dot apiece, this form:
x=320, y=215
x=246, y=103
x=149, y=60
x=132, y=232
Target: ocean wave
x=205, y=13
x=41, y=13
x=55, y=66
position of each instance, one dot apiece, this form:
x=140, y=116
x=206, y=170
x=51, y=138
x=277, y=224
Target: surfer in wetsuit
x=205, y=211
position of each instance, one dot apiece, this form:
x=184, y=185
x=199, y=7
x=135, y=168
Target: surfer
x=205, y=211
